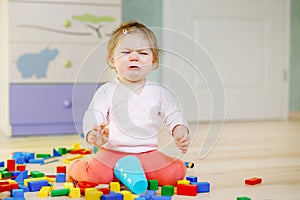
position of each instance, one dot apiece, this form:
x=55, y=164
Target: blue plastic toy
x=130, y=172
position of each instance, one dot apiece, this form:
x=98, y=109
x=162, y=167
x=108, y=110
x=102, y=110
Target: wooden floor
x=270, y=150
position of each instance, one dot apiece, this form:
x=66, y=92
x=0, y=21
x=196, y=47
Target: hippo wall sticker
x=31, y=64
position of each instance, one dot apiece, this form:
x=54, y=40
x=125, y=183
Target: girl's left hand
x=182, y=138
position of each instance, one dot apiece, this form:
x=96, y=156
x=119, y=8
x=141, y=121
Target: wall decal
x=31, y=64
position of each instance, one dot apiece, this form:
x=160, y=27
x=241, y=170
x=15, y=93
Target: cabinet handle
x=67, y=103
x=67, y=23
x=67, y=63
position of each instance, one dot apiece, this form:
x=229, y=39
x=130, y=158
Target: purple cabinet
x=48, y=109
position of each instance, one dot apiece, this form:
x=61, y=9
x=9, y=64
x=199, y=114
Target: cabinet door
x=66, y=23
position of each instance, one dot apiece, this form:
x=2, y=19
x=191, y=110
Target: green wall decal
x=93, y=19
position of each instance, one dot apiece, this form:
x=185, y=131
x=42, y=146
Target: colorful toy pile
x=16, y=180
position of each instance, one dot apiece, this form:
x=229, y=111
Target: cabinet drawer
x=33, y=104
x=63, y=22
x=49, y=109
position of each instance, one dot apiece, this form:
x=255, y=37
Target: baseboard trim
x=294, y=115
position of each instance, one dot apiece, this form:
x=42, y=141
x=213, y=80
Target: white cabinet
x=42, y=50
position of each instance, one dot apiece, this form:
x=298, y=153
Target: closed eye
x=144, y=53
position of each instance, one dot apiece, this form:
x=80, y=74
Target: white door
x=227, y=56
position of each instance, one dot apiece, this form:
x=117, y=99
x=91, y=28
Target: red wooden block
x=61, y=169
x=21, y=167
x=11, y=165
x=104, y=190
x=6, y=187
x=253, y=181
x=185, y=189
x=14, y=185
x=2, y=182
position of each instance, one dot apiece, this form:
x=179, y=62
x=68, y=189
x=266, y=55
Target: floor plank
x=268, y=149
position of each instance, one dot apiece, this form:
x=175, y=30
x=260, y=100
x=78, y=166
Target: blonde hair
x=131, y=27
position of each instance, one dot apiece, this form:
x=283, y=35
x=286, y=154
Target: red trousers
x=99, y=169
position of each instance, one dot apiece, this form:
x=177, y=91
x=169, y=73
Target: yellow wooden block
x=69, y=160
x=68, y=185
x=92, y=194
x=126, y=195
x=0, y=176
x=44, y=192
x=76, y=146
x=114, y=186
x=183, y=182
x=74, y=193
x=11, y=181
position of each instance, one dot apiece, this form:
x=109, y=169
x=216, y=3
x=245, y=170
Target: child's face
x=133, y=58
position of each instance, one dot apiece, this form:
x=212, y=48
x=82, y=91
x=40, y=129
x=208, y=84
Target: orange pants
x=100, y=169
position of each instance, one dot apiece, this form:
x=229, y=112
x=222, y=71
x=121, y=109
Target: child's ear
x=111, y=62
x=154, y=65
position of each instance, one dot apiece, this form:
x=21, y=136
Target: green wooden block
x=60, y=192
x=36, y=174
x=6, y=174
x=167, y=190
x=3, y=169
x=243, y=198
x=152, y=184
x=43, y=155
x=62, y=150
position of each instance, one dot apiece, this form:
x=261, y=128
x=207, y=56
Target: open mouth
x=133, y=67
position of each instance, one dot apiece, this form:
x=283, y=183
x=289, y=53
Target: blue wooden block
x=192, y=179
x=17, y=193
x=24, y=188
x=161, y=198
x=15, y=173
x=21, y=160
x=112, y=196
x=38, y=161
x=20, y=178
x=56, y=153
x=2, y=163
x=60, y=177
x=37, y=185
x=139, y=198
x=202, y=187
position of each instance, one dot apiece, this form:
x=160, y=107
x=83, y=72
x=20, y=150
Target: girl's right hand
x=98, y=135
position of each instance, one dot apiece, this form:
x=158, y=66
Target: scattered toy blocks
x=36, y=174
x=60, y=192
x=44, y=192
x=60, y=177
x=11, y=165
x=35, y=186
x=185, y=189
x=167, y=190
x=112, y=196
x=74, y=193
x=243, y=198
x=192, y=179
x=114, y=186
x=152, y=184
x=253, y=181
x=61, y=169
